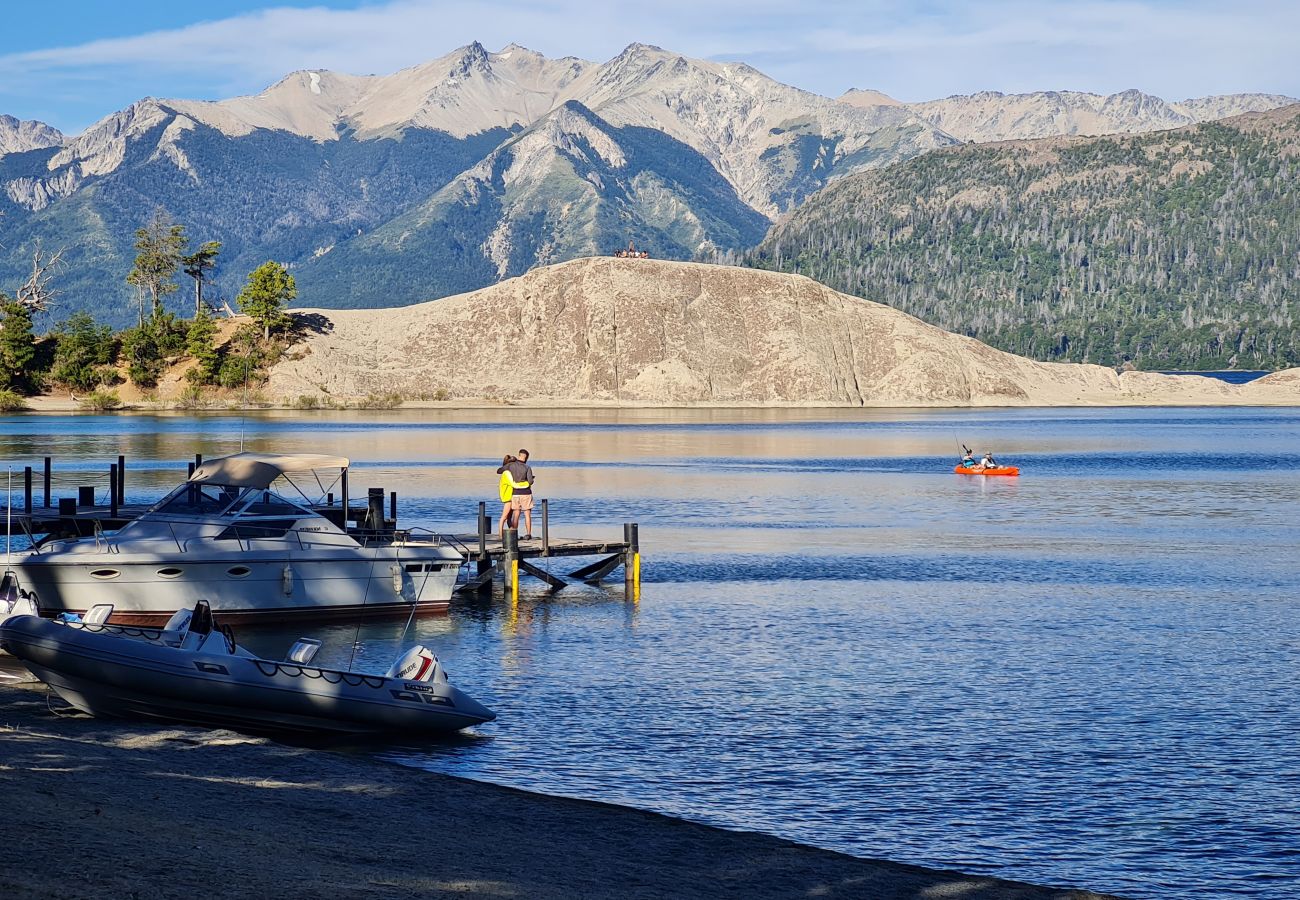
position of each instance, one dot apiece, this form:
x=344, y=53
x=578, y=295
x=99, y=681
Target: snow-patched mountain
x=774, y=143
x=18, y=137
x=483, y=163
x=993, y=116
x=561, y=189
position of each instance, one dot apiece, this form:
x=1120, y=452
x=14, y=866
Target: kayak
x=999, y=470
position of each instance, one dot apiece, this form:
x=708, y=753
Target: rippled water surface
x=1085, y=676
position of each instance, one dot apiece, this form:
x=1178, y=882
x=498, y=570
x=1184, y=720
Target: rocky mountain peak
x=20, y=136
x=865, y=98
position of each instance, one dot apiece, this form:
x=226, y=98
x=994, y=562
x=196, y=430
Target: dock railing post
x=47, y=482
x=375, y=509
x=512, y=561
x=484, y=562
x=343, y=490
x=27, y=489
x=112, y=490
x=546, y=529
x=632, y=557
x=68, y=515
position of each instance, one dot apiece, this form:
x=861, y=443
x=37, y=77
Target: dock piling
x=392, y=507
x=47, y=482
x=121, y=478
x=546, y=529
x=27, y=489
x=112, y=490
x=86, y=495
x=632, y=557
x=512, y=560
x=375, y=508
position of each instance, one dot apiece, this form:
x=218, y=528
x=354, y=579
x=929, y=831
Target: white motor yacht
x=225, y=536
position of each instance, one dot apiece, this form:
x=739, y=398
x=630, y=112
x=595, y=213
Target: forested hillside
x=1175, y=249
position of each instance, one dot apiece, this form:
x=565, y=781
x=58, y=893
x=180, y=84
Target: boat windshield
x=224, y=501
x=204, y=500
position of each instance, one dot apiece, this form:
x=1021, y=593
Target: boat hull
x=999, y=470
x=105, y=672
x=245, y=587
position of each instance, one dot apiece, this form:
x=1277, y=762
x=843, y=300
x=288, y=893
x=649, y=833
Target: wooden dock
x=489, y=554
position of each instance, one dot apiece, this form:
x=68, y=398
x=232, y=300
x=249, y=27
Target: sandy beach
x=100, y=808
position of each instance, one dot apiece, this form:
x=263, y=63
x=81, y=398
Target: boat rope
x=270, y=668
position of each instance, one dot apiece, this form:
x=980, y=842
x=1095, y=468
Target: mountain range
x=993, y=116
x=1166, y=250
x=385, y=190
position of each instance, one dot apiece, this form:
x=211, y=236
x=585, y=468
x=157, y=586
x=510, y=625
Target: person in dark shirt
x=521, y=502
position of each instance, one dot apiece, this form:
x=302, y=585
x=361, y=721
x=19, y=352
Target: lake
x=1085, y=676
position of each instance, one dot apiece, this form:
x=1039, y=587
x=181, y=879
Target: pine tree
x=158, y=256
x=269, y=289
x=17, y=345
x=197, y=265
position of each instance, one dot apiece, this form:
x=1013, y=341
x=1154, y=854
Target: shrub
x=193, y=397
x=101, y=401
x=390, y=400
x=82, y=352
x=307, y=401
x=11, y=402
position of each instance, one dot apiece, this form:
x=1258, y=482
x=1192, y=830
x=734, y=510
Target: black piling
x=86, y=495
x=47, y=482
x=27, y=489
x=113, y=498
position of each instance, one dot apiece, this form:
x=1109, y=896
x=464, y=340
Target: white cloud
x=914, y=51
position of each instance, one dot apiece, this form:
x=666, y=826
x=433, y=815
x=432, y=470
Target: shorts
x=521, y=501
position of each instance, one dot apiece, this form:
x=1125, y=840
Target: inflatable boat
x=193, y=671
x=997, y=470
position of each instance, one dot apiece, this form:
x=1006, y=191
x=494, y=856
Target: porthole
x=104, y=574
x=169, y=572
x=238, y=571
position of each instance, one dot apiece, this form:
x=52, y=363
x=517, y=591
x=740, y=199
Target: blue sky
x=74, y=61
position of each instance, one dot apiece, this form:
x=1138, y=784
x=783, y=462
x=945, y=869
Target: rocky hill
x=994, y=116
x=663, y=333
x=1170, y=250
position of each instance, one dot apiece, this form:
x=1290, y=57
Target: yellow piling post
x=512, y=557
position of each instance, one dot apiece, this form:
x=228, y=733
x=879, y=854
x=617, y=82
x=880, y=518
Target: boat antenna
x=9, y=515
x=243, y=408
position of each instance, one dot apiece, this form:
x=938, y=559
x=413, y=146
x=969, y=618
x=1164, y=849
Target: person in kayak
x=988, y=462
x=967, y=459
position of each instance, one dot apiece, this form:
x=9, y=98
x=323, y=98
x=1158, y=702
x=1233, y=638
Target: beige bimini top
x=258, y=470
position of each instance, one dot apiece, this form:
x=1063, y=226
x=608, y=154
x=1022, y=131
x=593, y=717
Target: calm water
x=1085, y=676
x=1232, y=376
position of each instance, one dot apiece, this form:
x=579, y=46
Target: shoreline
x=107, y=808
x=47, y=404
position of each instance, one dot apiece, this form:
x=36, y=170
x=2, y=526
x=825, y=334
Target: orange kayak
x=1000, y=470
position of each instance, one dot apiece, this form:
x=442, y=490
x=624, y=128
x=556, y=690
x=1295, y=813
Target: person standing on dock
x=522, y=499
x=507, y=489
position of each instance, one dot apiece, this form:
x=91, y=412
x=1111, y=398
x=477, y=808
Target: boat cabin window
x=251, y=529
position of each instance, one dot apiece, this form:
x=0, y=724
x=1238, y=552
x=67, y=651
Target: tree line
x=1174, y=250
x=79, y=354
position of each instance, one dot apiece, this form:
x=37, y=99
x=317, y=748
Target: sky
x=71, y=63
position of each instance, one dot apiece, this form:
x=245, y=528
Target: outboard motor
x=174, y=631
x=417, y=664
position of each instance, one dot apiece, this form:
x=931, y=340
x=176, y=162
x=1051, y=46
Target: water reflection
x=1085, y=676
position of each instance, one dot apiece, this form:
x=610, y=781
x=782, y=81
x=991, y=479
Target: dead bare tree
x=36, y=293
